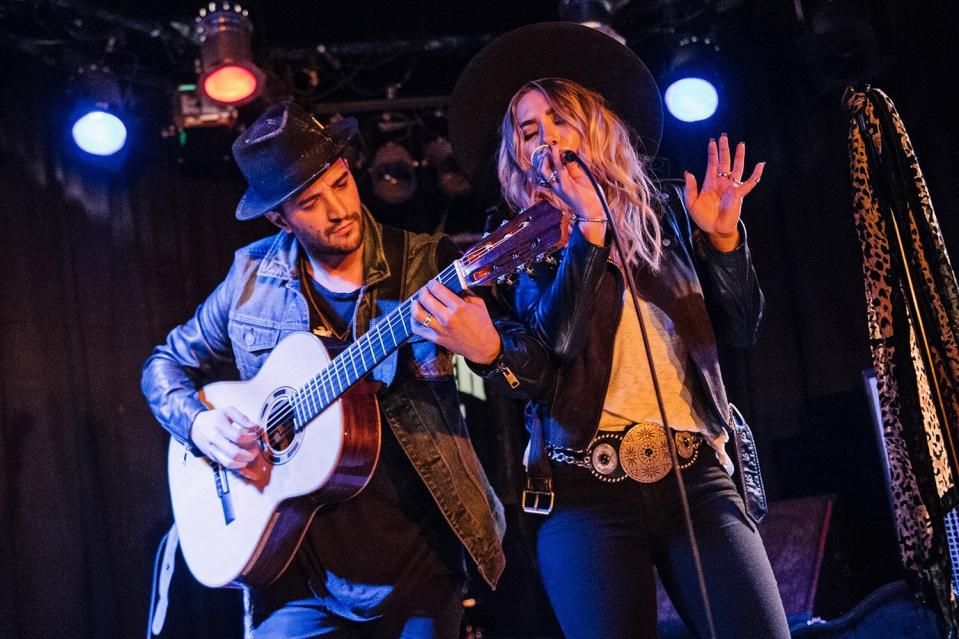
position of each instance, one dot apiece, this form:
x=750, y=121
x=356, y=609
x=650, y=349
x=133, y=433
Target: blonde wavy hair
x=615, y=164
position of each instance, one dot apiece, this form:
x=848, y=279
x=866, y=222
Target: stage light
x=439, y=155
x=691, y=99
x=394, y=174
x=230, y=84
x=99, y=133
x=229, y=74
x=96, y=121
x=597, y=14
x=691, y=79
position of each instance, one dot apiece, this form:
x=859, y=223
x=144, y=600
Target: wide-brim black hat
x=283, y=152
x=547, y=50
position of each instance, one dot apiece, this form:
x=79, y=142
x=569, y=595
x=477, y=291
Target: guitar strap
x=159, y=598
x=394, y=247
x=392, y=291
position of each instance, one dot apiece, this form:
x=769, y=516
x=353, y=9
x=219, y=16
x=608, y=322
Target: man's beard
x=339, y=244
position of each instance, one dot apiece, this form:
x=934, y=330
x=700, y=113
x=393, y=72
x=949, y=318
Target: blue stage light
x=691, y=99
x=99, y=133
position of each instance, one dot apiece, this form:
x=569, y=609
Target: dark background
x=97, y=263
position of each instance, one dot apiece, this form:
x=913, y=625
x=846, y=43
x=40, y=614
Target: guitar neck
x=360, y=357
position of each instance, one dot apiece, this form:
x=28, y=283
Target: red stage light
x=229, y=75
x=230, y=84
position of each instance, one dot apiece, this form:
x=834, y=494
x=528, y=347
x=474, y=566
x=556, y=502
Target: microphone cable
x=567, y=157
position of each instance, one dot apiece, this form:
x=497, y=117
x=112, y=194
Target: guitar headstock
x=528, y=237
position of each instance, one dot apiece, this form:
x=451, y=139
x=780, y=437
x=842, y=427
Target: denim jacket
x=261, y=301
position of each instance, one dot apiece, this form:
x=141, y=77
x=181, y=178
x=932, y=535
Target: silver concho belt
x=640, y=452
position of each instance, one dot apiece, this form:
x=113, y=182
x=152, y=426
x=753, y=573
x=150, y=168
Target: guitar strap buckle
x=538, y=496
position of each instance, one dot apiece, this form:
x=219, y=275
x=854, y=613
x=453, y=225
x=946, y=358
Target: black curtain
x=97, y=265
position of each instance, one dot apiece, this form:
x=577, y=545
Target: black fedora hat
x=283, y=152
x=547, y=50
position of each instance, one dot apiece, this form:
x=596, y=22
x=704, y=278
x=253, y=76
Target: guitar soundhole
x=278, y=439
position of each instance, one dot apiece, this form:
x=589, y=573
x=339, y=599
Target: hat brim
x=253, y=205
x=547, y=50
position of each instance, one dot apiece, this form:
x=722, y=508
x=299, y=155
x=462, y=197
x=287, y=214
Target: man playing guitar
x=389, y=561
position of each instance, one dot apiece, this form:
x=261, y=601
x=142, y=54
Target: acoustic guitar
x=319, y=431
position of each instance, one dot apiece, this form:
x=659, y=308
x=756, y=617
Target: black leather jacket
x=574, y=310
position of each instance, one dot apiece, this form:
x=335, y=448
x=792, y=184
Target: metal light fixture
x=691, y=79
x=96, y=120
x=229, y=74
x=597, y=14
x=394, y=174
x=439, y=155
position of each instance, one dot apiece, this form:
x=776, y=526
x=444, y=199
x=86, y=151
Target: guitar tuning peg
x=529, y=270
x=504, y=223
x=485, y=235
x=551, y=260
x=540, y=257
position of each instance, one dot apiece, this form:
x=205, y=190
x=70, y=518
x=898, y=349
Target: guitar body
x=236, y=531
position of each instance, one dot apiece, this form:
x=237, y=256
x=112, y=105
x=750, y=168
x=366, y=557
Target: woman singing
x=605, y=430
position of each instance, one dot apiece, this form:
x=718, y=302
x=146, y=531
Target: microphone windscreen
x=538, y=156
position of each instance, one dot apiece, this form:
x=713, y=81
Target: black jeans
x=598, y=548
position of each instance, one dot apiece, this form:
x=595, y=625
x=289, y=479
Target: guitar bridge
x=223, y=491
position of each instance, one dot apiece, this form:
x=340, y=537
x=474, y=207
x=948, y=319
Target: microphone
x=538, y=156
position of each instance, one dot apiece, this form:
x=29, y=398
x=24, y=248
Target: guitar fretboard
x=361, y=357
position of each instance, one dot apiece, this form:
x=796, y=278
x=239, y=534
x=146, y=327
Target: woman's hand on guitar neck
x=227, y=437
x=462, y=325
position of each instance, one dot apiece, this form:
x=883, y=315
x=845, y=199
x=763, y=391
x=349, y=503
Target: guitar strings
x=280, y=424
x=277, y=424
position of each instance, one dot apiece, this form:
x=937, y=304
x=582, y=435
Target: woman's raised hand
x=716, y=207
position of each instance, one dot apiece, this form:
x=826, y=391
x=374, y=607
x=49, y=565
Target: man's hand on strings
x=227, y=437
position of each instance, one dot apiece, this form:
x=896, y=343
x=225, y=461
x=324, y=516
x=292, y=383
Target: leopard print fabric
x=919, y=447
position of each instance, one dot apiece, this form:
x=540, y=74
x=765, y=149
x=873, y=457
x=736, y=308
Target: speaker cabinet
x=794, y=533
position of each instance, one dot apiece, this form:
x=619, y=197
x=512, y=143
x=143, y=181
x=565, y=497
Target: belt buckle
x=644, y=453
x=532, y=498
x=603, y=457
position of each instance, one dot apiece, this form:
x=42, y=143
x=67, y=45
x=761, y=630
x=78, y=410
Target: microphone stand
x=570, y=156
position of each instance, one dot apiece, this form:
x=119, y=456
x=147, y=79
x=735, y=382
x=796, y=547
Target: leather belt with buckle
x=640, y=452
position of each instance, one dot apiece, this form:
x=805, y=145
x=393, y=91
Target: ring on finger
x=553, y=177
x=735, y=181
x=723, y=174
x=427, y=320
